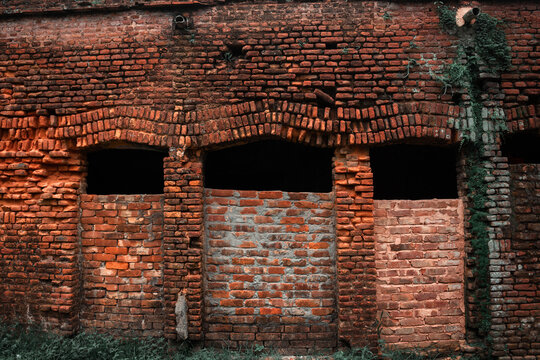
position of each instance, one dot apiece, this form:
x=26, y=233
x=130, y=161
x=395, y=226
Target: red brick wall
x=82, y=61
x=518, y=274
x=132, y=70
x=70, y=64
x=270, y=269
x=39, y=275
x=121, y=246
x=419, y=255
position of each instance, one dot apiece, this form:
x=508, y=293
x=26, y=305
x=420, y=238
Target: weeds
x=18, y=342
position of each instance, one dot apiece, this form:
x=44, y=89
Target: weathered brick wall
x=323, y=73
x=270, y=269
x=518, y=332
x=356, y=52
x=121, y=247
x=419, y=255
x=39, y=182
x=52, y=65
x=182, y=243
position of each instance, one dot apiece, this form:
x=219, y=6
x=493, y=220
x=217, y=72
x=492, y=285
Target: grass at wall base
x=19, y=342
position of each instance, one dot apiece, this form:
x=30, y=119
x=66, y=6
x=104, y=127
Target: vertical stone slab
x=182, y=245
x=355, y=247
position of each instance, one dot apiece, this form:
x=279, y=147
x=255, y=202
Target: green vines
x=482, y=48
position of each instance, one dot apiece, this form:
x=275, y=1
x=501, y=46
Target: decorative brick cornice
x=254, y=119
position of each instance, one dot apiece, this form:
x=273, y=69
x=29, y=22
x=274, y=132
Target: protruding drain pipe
x=467, y=15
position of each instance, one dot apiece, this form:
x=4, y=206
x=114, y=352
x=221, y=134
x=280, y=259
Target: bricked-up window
x=270, y=165
x=522, y=148
x=125, y=171
x=414, y=172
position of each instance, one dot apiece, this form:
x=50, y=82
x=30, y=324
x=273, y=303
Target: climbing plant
x=482, y=48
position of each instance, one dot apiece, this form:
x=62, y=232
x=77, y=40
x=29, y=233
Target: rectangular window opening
x=270, y=165
x=414, y=172
x=125, y=171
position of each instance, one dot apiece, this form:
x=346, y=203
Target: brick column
x=498, y=208
x=182, y=245
x=355, y=247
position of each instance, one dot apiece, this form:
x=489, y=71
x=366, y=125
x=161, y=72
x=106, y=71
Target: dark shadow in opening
x=522, y=148
x=414, y=172
x=125, y=171
x=270, y=165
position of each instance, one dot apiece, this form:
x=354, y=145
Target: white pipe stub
x=466, y=15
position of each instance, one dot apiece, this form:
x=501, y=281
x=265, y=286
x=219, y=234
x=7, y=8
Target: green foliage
x=447, y=18
x=455, y=75
x=228, y=56
x=490, y=43
x=411, y=63
x=29, y=343
x=387, y=16
x=477, y=189
x=20, y=343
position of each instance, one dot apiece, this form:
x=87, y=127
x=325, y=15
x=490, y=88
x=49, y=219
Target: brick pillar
x=182, y=245
x=355, y=247
x=498, y=208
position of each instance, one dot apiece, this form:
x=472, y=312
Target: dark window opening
x=414, y=172
x=522, y=148
x=270, y=165
x=125, y=171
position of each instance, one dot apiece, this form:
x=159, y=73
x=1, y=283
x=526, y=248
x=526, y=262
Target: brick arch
x=131, y=124
x=297, y=122
x=334, y=127
x=522, y=118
